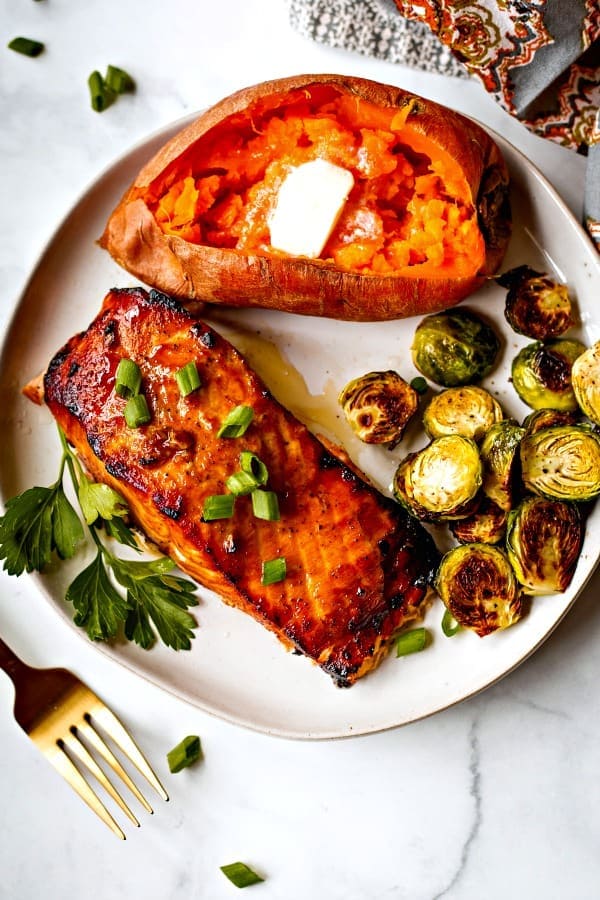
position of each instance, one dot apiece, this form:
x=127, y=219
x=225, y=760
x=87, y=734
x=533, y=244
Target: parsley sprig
x=42, y=522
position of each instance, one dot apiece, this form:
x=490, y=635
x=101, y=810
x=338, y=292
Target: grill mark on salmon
x=358, y=567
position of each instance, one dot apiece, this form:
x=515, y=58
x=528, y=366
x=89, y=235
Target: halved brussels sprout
x=441, y=481
x=536, y=305
x=562, y=463
x=541, y=374
x=549, y=418
x=585, y=376
x=487, y=525
x=478, y=586
x=455, y=347
x=468, y=410
x=499, y=452
x=543, y=542
x=378, y=406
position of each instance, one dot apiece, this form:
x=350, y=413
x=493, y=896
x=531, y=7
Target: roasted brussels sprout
x=585, y=376
x=549, y=418
x=499, y=453
x=454, y=348
x=478, y=586
x=543, y=542
x=378, y=406
x=487, y=525
x=541, y=374
x=441, y=481
x=536, y=305
x=562, y=463
x=470, y=411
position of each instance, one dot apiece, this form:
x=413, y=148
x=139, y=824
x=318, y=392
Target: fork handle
x=14, y=667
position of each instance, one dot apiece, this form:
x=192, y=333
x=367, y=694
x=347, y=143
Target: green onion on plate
x=188, y=751
x=412, y=641
x=128, y=378
x=274, y=570
x=265, y=505
x=240, y=874
x=188, y=379
x=236, y=422
x=218, y=506
x=449, y=624
x=136, y=411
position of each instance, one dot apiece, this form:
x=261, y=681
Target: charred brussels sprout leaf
x=378, y=406
x=541, y=374
x=477, y=584
x=441, y=481
x=536, y=305
x=499, y=452
x=549, y=418
x=454, y=348
x=562, y=463
x=487, y=525
x=470, y=411
x=585, y=376
x=543, y=543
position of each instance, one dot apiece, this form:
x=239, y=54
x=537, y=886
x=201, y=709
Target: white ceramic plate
x=236, y=669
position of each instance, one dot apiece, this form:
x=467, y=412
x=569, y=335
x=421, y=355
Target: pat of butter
x=308, y=206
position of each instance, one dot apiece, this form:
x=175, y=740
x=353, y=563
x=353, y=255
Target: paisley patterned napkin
x=539, y=58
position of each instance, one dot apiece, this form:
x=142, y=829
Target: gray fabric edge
x=373, y=28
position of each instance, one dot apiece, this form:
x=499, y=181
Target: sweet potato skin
x=358, y=567
x=299, y=285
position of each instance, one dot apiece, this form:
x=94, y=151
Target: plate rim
x=163, y=133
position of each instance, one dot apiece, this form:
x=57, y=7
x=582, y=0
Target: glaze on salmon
x=358, y=567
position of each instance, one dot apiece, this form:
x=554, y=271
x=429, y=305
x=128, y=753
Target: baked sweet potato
x=426, y=221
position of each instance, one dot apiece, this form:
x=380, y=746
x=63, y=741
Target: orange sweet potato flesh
x=427, y=221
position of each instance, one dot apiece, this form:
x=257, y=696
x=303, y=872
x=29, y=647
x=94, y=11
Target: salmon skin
x=358, y=568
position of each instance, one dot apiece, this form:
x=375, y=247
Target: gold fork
x=60, y=714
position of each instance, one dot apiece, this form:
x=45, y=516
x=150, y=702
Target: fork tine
x=74, y=745
x=107, y=719
x=59, y=759
x=91, y=735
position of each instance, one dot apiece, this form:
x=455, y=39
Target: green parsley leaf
x=36, y=523
x=100, y=608
x=100, y=500
x=156, y=599
x=117, y=529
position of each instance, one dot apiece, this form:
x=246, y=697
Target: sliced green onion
x=252, y=465
x=240, y=874
x=136, y=411
x=188, y=751
x=274, y=570
x=265, y=505
x=101, y=95
x=128, y=378
x=118, y=80
x=412, y=641
x=449, y=624
x=218, y=506
x=419, y=385
x=26, y=46
x=241, y=483
x=188, y=379
x=236, y=422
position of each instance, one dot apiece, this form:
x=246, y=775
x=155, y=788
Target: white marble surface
x=496, y=798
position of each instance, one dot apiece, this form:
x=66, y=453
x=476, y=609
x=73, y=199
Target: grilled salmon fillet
x=357, y=567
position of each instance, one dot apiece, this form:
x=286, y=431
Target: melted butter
x=320, y=412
